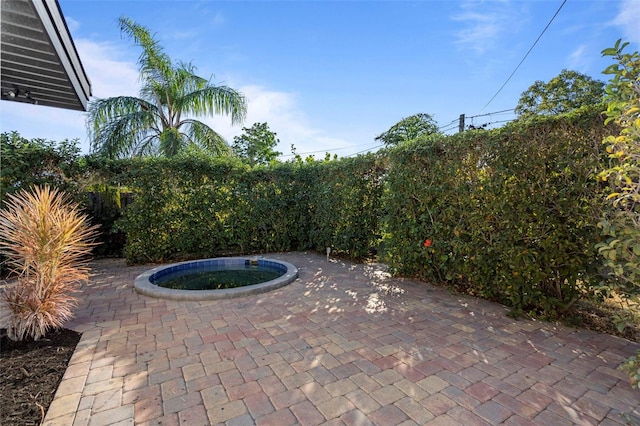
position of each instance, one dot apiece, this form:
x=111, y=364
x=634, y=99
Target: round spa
x=206, y=279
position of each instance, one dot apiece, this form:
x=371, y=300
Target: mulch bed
x=30, y=372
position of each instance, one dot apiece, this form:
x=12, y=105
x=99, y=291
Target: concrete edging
x=143, y=285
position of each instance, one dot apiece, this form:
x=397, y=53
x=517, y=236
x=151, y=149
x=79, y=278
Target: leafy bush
x=620, y=223
x=45, y=239
x=509, y=214
x=631, y=366
x=195, y=206
x=38, y=162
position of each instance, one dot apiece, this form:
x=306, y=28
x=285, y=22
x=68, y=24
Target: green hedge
x=190, y=206
x=510, y=213
x=39, y=162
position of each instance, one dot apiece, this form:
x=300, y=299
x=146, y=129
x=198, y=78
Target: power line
x=492, y=113
x=485, y=125
x=525, y=56
x=324, y=150
x=454, y=121
x=366, y=150
x=463, y=118
x=451, y=127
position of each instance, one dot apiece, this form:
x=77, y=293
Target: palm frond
x=120, y=126
x=216, y=100
x=203, y=136
x=101, y=111
x=126, y=137
x=151, y=124
x=153, y=62
x=172, y=142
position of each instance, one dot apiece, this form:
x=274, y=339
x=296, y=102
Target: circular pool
x=208, y=279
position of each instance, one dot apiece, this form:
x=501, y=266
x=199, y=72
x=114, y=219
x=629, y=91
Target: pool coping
x=144, y=286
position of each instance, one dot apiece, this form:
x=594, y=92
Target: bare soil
x=30, y=372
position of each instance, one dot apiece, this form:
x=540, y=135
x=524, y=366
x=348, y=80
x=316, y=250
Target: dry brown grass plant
x=46, y=240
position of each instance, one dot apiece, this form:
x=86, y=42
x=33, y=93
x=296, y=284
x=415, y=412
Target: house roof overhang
x=39, y=62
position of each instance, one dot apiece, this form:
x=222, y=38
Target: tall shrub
x=620, y=223
x=45, y=238
x=192, y=206
x=345, y=206
x=181, y=207
x=507, y=214
x=39, y=162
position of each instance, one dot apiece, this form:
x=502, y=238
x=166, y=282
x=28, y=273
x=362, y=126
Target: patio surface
x=343, y=344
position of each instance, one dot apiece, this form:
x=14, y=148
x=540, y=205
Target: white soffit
x=38, y=61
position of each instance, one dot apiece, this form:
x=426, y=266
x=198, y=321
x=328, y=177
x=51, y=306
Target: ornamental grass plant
x=46, y=240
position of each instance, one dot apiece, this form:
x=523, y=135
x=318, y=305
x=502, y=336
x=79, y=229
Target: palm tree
x=153, y=124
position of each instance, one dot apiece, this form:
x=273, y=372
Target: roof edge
x=56, y=27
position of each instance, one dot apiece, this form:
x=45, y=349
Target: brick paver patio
x=344, y=344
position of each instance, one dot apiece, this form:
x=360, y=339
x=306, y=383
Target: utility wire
x=490, y=123
x=451, y=125
x=324, y=150
x=454, y=121
x=492, y=113
x=454, y=126
x=366, y=150
x=525, y=56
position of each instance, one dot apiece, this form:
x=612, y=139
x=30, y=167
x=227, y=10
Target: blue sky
x=332, y=75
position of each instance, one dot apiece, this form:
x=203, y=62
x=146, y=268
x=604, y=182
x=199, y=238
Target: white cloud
x=628, y=19
x=36, y=121
x=577, y=58
x=282, y=112
x=479, y=35
x=112, y=76
x=109, y=75
x=218, y=19
x=72, y=24
x=484, y=23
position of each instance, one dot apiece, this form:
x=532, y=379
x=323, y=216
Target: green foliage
x=38, y=162
x=509, y=213
x=620, y=222
x=344, y=204
x=191, y=206
x=256, y=145
x=565, y=92
x=104, y=205
x=408, y=129
x=631, y=366
x=88, y=180
x=153, y=124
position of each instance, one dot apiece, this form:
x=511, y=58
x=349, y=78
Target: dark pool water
x=218, y=277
